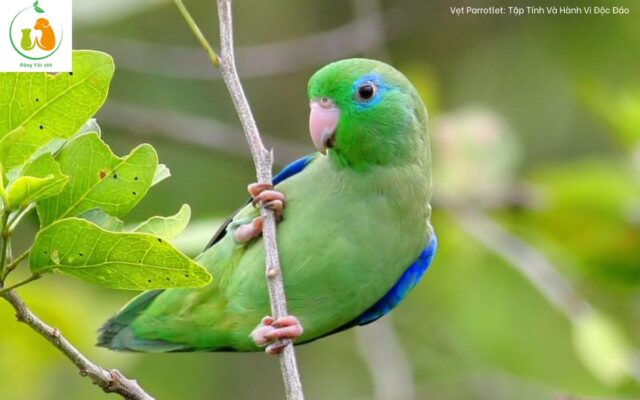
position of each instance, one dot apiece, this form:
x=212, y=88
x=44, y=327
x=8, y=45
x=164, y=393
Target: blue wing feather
x=397, y=293
x=403, y=286
x=293, y=168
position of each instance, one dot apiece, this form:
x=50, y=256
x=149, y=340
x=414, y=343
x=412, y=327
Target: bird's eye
x=366, y=91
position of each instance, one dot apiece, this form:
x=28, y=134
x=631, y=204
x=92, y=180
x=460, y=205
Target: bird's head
x=366, y=113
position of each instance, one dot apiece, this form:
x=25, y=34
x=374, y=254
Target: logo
x=38, y=35
x=34, y=47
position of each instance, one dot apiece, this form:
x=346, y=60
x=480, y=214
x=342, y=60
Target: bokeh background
x=535, y=124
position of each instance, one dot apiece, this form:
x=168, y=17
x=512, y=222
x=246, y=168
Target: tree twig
x=388, y=383
x=14, y=263
x=256, y=61
x=192, y=129
x=111, y=381
x=5, y=237
x=534, y=265
x=263, y=160
x=21, y=283
x=12, y=223
x=198, y=33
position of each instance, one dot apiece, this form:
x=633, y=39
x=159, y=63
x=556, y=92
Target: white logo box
x=35, y=36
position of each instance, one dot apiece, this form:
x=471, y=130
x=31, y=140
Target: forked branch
x=111, y=381
x=263, y=160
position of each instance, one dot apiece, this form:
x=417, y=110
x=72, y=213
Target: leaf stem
x=14, y=263
x=215, y=60
x=21, y=283
x=5, y=237
x=18, y=217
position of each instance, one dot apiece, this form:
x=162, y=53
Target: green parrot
x=354, y=232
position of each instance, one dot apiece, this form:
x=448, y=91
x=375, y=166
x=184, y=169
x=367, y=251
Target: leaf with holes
x=118, y=260
x=99, y=179
x=167, y=227
x=40, y=179
x=36, y=108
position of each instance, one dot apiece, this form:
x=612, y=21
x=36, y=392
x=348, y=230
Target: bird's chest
x=356, y=225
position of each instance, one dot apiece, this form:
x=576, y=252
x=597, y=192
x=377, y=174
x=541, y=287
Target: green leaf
x=40, y=179
x=54, y=145
x=91, y=126
x=39, y=10
x=25, y=189
x=38, y=107
x=137, y=261
x=162, y=173
x=99, y=179
x=167, y=227
x=103, y=220
x=49, y=148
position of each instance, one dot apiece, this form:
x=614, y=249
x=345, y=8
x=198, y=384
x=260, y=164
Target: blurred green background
x=535, y=124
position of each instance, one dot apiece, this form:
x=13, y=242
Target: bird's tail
x=116, y=333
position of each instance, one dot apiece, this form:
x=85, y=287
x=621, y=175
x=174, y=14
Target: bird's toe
x=277, y=333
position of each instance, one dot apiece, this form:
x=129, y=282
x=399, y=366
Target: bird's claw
x=258, y=187
x=263, y=194
x=276, y=334
x=246, y=232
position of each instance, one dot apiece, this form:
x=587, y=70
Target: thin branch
x=198, y=33
x=534, y=265
x=17, y=285
x=14, y=263
x=5, y=237
x=111, y=381
x=261, y=60
x=192, y=129
x=389, y=383
x=263, y=160
x=18, y=217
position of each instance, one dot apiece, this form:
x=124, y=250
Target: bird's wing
x=402, y=287
x=287, y=172
x=398, y=292
x=117, y=333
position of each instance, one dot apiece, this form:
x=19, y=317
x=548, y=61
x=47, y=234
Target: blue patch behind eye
x=381, y=87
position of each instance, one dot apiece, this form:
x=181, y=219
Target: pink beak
x=323, y=121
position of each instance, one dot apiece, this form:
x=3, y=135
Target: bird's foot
x=276, y=333
x=264, y=194
x=261, y=193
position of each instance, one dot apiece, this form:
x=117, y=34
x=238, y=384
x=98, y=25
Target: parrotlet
x=354, y=230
